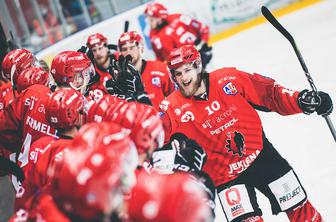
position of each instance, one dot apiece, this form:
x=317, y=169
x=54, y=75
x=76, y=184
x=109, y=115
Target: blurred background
x=37, y=24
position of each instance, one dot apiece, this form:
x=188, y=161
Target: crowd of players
x=109, y=136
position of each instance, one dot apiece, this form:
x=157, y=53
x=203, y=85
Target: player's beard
x=102, y=60
x=190, y=90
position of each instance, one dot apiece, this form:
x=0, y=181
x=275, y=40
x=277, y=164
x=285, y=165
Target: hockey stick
x=126, y=25
x=269, y=16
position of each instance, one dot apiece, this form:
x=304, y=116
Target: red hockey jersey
x=156, y=80
x=40, y=208
x=227, y=125
x=43, y=155
x=24, y=118
x=181, y=30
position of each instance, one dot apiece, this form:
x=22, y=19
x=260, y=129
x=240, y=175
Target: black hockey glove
x=189, y=152
x=87, y=51
x=142, y=97
x=180, y=154
x=9, y=167
x=127, y=77
x=206, y=53
x=310, y=101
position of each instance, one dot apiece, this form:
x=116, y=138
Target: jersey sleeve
x=263, y=93
x=10, y=120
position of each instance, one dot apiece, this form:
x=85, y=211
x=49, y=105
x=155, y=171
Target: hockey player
x=88, y=180
x=218, y=111
x=154, y=74
x=98, y=51
x=74, y=69
x=169, y=31
x=142, y=120
x=63, y=112
x=12, y=65
x=31, y=76
x=100, y=54
x=24, y=120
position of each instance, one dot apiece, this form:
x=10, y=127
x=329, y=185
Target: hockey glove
x=127, y=77
x=9, y=167
x=87, y=51
x=142, y=97
x=189, y=152
x=310, y=101
x=206, y=53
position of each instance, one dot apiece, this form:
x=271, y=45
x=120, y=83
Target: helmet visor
x=81, y=79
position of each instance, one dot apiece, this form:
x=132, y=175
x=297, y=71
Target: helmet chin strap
x=13, y=69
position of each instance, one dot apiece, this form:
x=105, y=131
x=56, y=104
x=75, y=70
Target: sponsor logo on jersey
x=234, y=200
x=178, y=111
x=157, y=73
x=187, y=116
x=240, y=166
x=235, y=143
x=156, y=81
x=290, y=193
x=224, y=127
x=164, y=105
x=230, y=89
x=226, y=78
x=223, y=116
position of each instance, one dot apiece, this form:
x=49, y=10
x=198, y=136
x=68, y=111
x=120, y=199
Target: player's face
x=100, y=54
x=133, y=49
x=154, y=22
x=188, y=79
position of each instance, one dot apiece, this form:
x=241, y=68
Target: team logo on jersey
x=156, y=81
x=187, y=116
x=230, y=89
x=235, y=143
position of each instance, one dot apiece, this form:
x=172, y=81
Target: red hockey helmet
x=98, y=111
x=64, y=108
x=96, y=39
x=184, y=54
x=143, y=121
x=31, y=76
x=147, y=131
x=156, y=10
x=91, y=180
x=178, y=199
x=129, y=37
x=15, y=62
x=70, y=68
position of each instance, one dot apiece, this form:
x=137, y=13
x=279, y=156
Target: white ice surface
x=305, y=141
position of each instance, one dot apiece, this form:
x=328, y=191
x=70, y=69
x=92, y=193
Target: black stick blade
x=269, y=16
